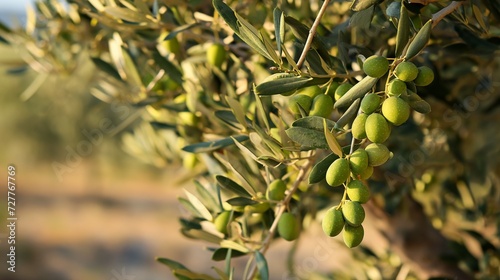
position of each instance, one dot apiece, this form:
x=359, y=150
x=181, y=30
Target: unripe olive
x=406, y=71
x=333, y=222
x=377, y=129
x=221, y=221
x=375, y=66
x=357, y=191
x=358, y=126
x=425, y=76
x=367, y=173
x=322, y=106
x=396, y=87
x=299, y=99
x=276, y=190
x=353, y=235
x=338, y=172
x=332, y=88
x=378, y=154
x=288, y=227
x=353, y=213
x=216, y=55
x=358, y=161
x=370, y=103
x=172, y=46
x=396, y=110
x=311, y=91
x=341, y=90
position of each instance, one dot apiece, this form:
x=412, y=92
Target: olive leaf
x=359, y=5
x=211, y=146
x=357, y=91
x=232, y=186
x=331, y=140
x=318, y=172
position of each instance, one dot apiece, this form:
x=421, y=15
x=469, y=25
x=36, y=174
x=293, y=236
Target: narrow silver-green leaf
x=202, y=209
x=348, y=115
x=262, y=265
x=211, y=146
x=403, y=34
x=279, y=28
x=238, y=111
x=420, y=40
x=232, y=186
x=233, y=245
x=357, y=91
x=126, y=14
x=307, y=138
x=331, y=140
x=282, y=85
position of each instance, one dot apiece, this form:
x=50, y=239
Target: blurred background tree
x=434, y=210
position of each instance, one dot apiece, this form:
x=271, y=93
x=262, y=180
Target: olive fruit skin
x=353, y=213
x=333, y=222
x=367, y=173
x=338, y=172
x=378, y=154
x=357, y=191
x=376, y=128
x=376, y=66
x=425, y=76
x=358, y=126
x=304, y=101
x=288, y=226
x=276, y=190
x=370, y=103
x=396, y=110
x=322, y=106
x=406, y=71
x=216, y=55
x=396, y=87
x=221, y=221
x=311, y=91
x=341, y=90
x=353, y=235
x=358, y=161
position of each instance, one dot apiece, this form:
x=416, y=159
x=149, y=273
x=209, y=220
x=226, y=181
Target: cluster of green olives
x=312, y=101
x=378, y=113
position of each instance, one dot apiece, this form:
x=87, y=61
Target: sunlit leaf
x=221, y=254
x=211, y=146
x=232, y=186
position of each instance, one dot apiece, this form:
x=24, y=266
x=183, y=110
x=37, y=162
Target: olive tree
x=292, y=113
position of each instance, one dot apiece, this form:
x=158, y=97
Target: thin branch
x=281, y=209
x=312, y=32
x=437, y=17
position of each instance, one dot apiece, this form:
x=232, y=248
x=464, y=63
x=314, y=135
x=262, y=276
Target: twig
x=281, y=209
x=312, y=32
x=437, y=17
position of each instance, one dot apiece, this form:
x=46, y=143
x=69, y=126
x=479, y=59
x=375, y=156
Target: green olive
x=358, y=161
x=358, y=126
x=377, y=129
x=396, y=110
x=322, y=106
x=276, y=190
x=367, y=173
x=370, y=103
x=376, y=66
x=425, y=76
x=332, y=222
x=357, y=191
x=341, y=90
x=301, y=100
x=338, y=172
x=221, y=221
x=378, y=154
x=216, y=55
x=396, y=87
x=288, y=226
x=311, y=91
x=406, y=71
x=353, y=213
x=353, y=235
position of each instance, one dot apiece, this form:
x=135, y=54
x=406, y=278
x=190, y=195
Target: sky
x=13, y=8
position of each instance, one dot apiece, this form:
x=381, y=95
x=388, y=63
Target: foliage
x=246, y=113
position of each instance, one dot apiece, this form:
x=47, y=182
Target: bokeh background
x=107, y=216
